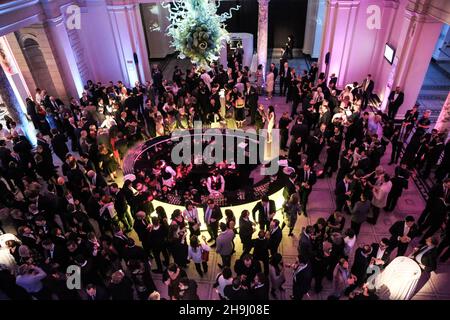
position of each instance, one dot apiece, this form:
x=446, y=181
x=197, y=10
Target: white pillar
x=320, y=21
x=310, y=28
x=341, y=20
x=263, y=19
x=419, y=35
x=62, y=48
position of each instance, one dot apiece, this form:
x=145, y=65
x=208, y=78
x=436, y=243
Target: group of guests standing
x=74, y=213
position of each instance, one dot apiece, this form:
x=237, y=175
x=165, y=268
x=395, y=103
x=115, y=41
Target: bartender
x=215, y=184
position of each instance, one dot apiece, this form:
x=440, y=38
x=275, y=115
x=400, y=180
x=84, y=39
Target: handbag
x=205, y=255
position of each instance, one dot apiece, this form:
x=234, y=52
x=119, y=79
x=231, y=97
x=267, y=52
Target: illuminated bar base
x=399, y=280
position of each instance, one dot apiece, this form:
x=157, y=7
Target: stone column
x=341, y=20
x=418, y=38
x=62, y=49
x=129, y=39
x=263, y=19
x=443, y=122
x=55, y=26
x=311, y=25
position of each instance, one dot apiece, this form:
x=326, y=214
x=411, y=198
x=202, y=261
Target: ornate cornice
x=344, y=3
x=391, y=4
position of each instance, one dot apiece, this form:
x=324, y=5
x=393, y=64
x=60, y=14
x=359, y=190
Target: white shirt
x=380, y=253
x=406, y=230
x=207, y=80
x=191, y=214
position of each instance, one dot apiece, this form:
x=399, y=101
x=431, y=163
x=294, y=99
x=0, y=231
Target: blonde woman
x=270, y=83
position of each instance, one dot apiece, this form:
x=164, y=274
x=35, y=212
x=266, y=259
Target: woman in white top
x=223, y=279
x=318, y=96
x=196, y=253
x=346, y=92
x=191, y=215
x=270, y=123
x=270, y=83
x=379, y=200
x=350, y=241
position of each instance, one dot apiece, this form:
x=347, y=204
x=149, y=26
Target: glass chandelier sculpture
x=196, y=29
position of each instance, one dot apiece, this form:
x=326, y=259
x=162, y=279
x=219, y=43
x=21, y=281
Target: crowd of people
x=76, y=213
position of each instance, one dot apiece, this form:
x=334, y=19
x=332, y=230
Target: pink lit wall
x=356, y=43
x=99, y=43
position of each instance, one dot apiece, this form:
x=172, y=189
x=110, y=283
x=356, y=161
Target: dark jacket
x=259, y=207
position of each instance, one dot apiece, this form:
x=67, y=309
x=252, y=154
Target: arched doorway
x=36, y=62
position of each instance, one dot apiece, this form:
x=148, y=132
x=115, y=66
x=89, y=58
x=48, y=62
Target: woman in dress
x=239, y=110
x=196, y=254
x=230, y=100
x=260, y=118
x=259, y=79
x=191, y=215
x=270, y=123
x=276, y=274
x=270, y=83
x=291, y=209
x=108, y=162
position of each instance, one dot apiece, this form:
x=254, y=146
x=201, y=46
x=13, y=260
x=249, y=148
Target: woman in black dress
x=107, y=162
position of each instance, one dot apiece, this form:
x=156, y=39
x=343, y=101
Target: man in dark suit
x=54, y=104
x=213, y=214
x=260, y=288
x=275, y=236
x=381, y=253
x=157, y=240
x=306, y=179
x=438, y=212
x=246, y=231
x=305, y=245
x=426, y=255
x=141, y=227
x=396, y=98
x=333, y=79
x=54, y=254
x=121, y=206
x=366, y=87
x=402, y=232
x=300, y=129
x=302, y=278
x=94, y=293
x=266, y=211
x=96, y=180
x=361, y=262
x=290, y=186
x=248, y=267
x=260, y=247
x=59, y=144
x=251, y=100
x=285, y=78
x=343, y=191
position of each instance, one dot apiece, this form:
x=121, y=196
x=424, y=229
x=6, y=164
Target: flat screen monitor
x=389, y=53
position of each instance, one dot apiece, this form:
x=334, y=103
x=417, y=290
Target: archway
x=36, y=62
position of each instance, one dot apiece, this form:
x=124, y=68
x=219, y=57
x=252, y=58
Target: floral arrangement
x=196, y=29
